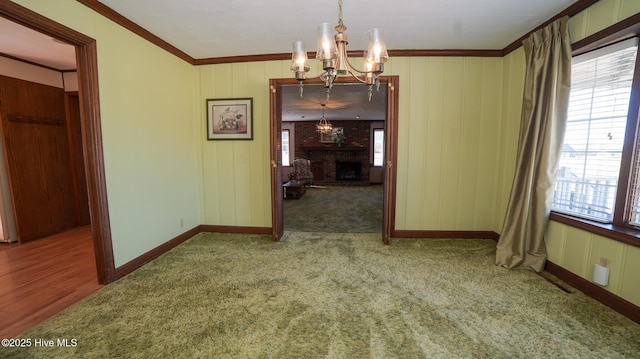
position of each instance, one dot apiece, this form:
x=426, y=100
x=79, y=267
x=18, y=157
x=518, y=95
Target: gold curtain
x=543, y=121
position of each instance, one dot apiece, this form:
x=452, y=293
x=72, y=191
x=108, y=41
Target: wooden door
x=37, y=157
x=78, y=173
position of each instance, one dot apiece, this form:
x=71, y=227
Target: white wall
x=32, y=73
x=23, y=71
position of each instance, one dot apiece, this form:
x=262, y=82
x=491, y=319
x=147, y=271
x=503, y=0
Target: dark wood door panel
x=37, y=157
x=81, y=197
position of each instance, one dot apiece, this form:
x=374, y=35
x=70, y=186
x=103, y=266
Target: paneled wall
x=236, y=183
x=577, y=251
x=512, y=92
x=448, y=146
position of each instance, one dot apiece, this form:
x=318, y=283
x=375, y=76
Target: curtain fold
x=544, y=114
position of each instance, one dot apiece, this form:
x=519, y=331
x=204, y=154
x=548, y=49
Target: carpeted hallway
x=336, y=209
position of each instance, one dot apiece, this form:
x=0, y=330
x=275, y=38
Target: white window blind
x=590, y=161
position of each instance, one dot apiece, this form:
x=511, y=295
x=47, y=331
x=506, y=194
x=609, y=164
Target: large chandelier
x=332, y=51
x=324, y=126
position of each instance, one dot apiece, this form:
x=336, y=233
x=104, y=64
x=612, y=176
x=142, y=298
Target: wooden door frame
x=391, y=153
x=87, y=65
x=391, y=158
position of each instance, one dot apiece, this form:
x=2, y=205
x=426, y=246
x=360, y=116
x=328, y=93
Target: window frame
x=588, y=101
x=618, y=229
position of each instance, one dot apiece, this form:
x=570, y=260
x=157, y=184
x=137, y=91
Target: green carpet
x=336, y=209
x=318, y=295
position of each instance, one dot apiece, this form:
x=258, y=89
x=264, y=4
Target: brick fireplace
x=324, y=157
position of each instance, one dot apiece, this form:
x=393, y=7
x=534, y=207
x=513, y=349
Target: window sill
x=625, y=235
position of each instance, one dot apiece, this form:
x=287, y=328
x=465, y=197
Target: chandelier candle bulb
x=299, y=61
x=327, y=49
x=368, y=70
x=377, y=49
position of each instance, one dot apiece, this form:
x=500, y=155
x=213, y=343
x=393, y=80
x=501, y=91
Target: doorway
x=86, y=59
x=340, y=177
x=390, y=154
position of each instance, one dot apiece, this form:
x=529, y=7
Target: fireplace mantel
x=332, y=148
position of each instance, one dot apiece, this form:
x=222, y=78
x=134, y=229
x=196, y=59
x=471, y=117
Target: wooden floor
x=40, y=278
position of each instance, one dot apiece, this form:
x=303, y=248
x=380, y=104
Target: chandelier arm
x=323, y=76
x=352, y=71
x=355, y=76
x=353, y=68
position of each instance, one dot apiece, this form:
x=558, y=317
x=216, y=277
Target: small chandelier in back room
x=324, y=126
x=332, y=51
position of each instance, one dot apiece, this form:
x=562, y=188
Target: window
x=286, y=161
x=594, y=170
x=378, y=147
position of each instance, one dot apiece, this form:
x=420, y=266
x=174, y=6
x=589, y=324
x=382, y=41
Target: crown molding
x=114, y=16
x=572, y=10
x=619, y=31
x=242, y=58
x=354, y=53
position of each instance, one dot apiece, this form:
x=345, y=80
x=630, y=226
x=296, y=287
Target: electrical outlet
x=604, y=262
x=181, y=222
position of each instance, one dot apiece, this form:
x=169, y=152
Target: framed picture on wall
x=230, y=119
x=331, y=136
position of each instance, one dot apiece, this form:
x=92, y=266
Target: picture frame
x=329, y=137
x=230, y=119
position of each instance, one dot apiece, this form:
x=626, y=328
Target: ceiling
x=346, y=102
x=26, y=44
x=215, y=28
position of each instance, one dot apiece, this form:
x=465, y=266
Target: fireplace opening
x=348, y=171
